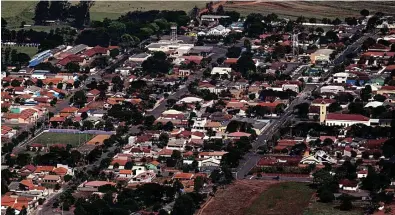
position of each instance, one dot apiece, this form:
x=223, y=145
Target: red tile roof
x=347, y=117
x=239, y=134
x=94, y=51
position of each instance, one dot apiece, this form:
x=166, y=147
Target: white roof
x=190, y=100
x=221, y=70
x=374, y=104
x=341, y=74
x=172, y=111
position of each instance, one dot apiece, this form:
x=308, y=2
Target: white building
x=293, y=87
x=346, y=120
x=221, y=71
x=332, y=89
x=218, y=31
x=341, y=77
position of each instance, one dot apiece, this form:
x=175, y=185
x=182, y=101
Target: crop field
x=62, y=138
x=317, y=9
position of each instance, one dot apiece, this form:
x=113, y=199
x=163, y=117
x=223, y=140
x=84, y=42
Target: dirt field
x=236, y=198
x=317, y=9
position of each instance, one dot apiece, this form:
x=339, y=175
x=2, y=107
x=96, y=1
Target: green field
x=284, y=198
x=319, y=208
x=31, y=51
x=17, y=11
x=62, y=138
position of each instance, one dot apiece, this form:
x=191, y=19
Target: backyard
x=63, y=138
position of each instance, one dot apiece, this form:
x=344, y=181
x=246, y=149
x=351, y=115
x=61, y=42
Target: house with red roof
x=26, y=116
x=96, y=51
x=7, y=131
x=348, y=185
x=71, y=59
x=93, y=186
x=238, y=135
x=345, y=120
x=386, y=90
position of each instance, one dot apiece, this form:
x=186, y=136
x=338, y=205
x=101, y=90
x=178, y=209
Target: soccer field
x=49, y=138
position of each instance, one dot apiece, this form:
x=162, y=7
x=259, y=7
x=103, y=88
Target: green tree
x=364, y=12
x=184, y=205
x=79, y=98
x=334, y=107
x=346, y=203
x=114, y=53
x=41, y=12
x=326, y=196
x=198, y=184
x=72, y=67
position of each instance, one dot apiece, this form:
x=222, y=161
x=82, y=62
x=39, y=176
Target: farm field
x=31, y=51
x=317, y=9
x=63, y=138
x=288, y=198
x=235, y=199
x=318, y=208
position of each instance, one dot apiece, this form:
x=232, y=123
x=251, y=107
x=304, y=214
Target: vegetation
x=49, y=138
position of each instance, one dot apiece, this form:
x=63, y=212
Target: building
x=321, y=55
x=334, y=119
x=221, y=71
x=39, y=58
x=139, y=58
x=93, y=186
x=213, y=18
x=332, y=89
x=341, y=77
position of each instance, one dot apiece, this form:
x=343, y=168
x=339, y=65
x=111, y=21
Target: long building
x=39, y=58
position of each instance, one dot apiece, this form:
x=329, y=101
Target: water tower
x=173, y=33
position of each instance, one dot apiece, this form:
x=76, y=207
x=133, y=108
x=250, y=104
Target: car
x=277, y=178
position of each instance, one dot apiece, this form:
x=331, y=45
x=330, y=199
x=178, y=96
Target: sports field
x=63, y=138
x=318, y=208
x=31, y=51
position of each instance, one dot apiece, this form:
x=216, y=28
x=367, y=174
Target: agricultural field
x=63, y=138
x=282, y=199
x=317, y=9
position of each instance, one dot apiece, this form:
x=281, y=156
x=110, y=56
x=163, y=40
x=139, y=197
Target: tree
x=100, y=62
x=72, y=67
x=67, y=178
x=59, y=85
x=184, y=205
x=168, y=126
x=346, y=203
x=114, y=53
x=326, y=196
x=157, y=64
x=379, y=98
x=129, y=165
x=198, y=184
x=176, y=155
x=21, y=59
x=41, y=12
x=366, y=93
x=84, y=115
x=364, y=12
x=252, y=96
x=279, y=108
x=10, y=211
x=334, y=107
x=79, y=98
x=233, y=52
x=128, y=41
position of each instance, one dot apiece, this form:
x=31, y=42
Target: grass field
x=17, y=11
x=319, y=208
x=282, y=199
x=31, y=51
x=55, y=138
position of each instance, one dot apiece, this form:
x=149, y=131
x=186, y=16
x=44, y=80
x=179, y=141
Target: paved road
x=250, y=159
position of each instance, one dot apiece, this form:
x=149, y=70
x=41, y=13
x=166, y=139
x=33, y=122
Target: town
x=164, y=112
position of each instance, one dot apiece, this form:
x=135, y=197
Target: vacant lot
x=63, y=138
x=235, y=199
x=317, y=9
x=318, y=208
x=282, y=199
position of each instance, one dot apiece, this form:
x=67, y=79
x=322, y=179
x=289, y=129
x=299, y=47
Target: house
x=238, y=135
x=51, y=179
x=362, y=174
x=93, y=186
x=334, y=119
x=218, y=31
x=17, y=203
x=386, y=90
x=183, y=176
x=209, y=164
x=348, y=185
x=121, y=163
x=96, y=51
x=143, y=177
x=7, y=131
x=177, y=144
x=43, y=170
x=216, y=154
x=221, y=71
x=125, y=173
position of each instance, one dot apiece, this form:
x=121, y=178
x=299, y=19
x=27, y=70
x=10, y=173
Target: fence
x=76, y=131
